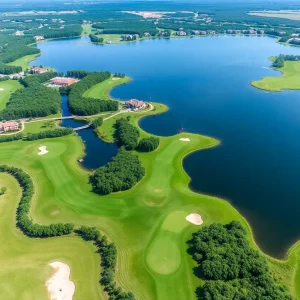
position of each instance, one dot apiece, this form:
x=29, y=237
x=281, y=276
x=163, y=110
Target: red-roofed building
x=135, y=104
x=37, y=70
x=63, y=81
x=9, y=126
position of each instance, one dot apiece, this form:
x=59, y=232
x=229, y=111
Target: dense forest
x=51, y=33
x=122, y=173
x=127, y=27
x=24, y=222
x=77, y=73
x=96, y=39
x=108, y=252
x=126, y=134
x=31, y=102
x=82, y=106
x=13, y=48
x=230, y=268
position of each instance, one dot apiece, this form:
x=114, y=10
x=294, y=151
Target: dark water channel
x=205, y=82
x=97, y=153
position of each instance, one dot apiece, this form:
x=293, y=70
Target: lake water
x=205, y=82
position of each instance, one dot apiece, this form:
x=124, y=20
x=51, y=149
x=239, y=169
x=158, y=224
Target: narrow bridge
x=82, y=127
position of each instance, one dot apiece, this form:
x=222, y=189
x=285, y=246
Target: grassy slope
x=86, y=29
x=24, y=261
x=290, y=79
x=139, y=221
x=24, y=61
x=101, y=90
x=9, y=87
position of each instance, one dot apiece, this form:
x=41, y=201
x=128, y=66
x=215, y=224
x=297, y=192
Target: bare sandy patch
x=194, y=219
x=59, y=286
x=185, y=139
x=158, y=190
x=43, y=150
x=115, y=78
x=1, y=89
x=55, y=212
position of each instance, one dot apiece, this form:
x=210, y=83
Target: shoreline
x=289, y=252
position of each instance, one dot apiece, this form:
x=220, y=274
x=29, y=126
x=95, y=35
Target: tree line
x=13, y=48
x=24, y=223
x=77, y=73
x=122, y=173
x=83, y=106
x=279, y=61
x=127, y=27
x=108, y=252
x=39, y=78
x=66, y=32
x=230, y=268
x=96, y=39
x=58, y=132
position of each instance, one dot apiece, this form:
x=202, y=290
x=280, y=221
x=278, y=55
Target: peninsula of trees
x=82, y=106
x=122, y=173
x=230, y=268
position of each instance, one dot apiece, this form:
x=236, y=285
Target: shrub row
x=37, y=136
x=108, y=254
x=24, y=223
x=122, y=173
x=49, y=134
x=11, y=138
x=82, y=106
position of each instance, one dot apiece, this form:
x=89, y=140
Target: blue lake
x=205, y=82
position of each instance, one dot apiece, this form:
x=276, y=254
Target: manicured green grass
x=106, y=131
x=101, y=90
x=86, y=29
x=24, y=61
x=8, y=86
x=146, y=223
x=25, y=261
x=289, y=80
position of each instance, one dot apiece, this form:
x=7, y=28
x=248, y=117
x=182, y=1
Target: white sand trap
x=59, y=286
x=194, y=219
x=185, y=139
x=43, y=150
x=1, y=89
x=115, y=78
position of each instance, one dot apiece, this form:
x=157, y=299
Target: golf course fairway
x=147, y=223
x=288, y=80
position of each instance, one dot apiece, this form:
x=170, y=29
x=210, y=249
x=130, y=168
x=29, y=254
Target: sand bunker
x=194, y=219
x=1, y=89
x=59, y=286
x=43, y=150
x=115, y=78
x=185, y=140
